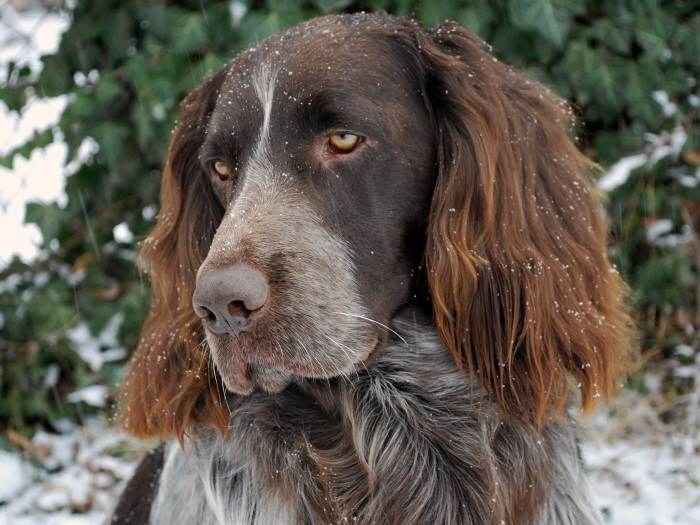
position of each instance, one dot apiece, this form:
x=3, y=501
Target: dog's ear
x=168, y=385
x=523, y=293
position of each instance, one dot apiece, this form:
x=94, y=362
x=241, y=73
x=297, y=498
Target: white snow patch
x=56, y=451
x=669, y=108
x=619, y=172
x=24, y=38
x=28, y=35
x=82, y=80
x=645, y=470
x=149, y=212
x=689, y=181
x=95, y=395
x=666, y=144
x=59, y=518
x=645, y=483
x=33, y=183
x=237, y=10
x=685, y=351
x=83, y=471
x=658, y=228
x=659, y=147
x=85, y=154
x=37, y=179
x=122, y=233
x=15, y=475
x=37, y=116
x=90, y=348
x=659, y=234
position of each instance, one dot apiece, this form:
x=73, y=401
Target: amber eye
x=343, y=142
x=219, y=169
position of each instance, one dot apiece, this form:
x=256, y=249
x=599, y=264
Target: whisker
x=311, y=356
x=211, y=368
x=375, y=322
x=345, y=349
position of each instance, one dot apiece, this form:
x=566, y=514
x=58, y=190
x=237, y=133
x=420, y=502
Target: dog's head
x=329, y=175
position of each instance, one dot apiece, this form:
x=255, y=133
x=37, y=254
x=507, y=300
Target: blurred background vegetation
x=68, y=319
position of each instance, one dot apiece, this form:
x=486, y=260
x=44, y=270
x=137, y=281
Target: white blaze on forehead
x=264, y=85
x=259, y=169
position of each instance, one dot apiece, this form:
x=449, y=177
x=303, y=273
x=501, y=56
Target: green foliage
x=126, y=65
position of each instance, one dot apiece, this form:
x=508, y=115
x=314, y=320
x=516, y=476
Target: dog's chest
x=391, y=444
x=275, y=466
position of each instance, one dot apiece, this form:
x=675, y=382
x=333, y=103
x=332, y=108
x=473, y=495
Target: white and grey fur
x=406, y=440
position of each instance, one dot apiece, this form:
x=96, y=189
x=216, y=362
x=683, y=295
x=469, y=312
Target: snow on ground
x=645, y=478
x=70, y=478
x=639, y=482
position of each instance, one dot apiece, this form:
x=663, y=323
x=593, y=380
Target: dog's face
x=320, y=149
x=310, y=178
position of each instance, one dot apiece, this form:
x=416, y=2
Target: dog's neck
x=352, y=447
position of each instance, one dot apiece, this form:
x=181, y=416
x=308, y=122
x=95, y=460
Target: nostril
x=238, y=308
x=208, y=315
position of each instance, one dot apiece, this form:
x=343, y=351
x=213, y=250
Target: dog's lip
x=238, y=367
x=240, y=384
x=236, y=375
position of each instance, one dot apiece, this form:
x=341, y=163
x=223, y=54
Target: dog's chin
x=270, y=380
x=235, y=375
x=240, y=376
x=245, y=379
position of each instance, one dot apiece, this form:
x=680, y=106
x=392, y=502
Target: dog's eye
x=219, y=169
x=343, y=142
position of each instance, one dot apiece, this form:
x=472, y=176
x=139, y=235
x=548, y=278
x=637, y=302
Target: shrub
x=631, y=68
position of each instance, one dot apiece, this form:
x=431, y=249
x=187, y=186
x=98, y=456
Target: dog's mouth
x=244, y=370
x=235, y=373
x=243, y=378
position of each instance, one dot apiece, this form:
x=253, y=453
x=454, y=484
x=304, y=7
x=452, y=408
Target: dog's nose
x=226, y=298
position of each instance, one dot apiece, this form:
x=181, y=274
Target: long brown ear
x=523, y=293
x=168, y=385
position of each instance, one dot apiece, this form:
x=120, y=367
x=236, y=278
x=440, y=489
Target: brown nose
x=226, y=298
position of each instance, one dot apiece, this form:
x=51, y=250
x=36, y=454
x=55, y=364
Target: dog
x=380, y=291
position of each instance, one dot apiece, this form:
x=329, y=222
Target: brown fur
x=522, y=291
x=523, y=294
x=168, y=386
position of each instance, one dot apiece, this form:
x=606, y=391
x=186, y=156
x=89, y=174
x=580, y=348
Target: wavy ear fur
x=169, y=385
x=523, y=293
